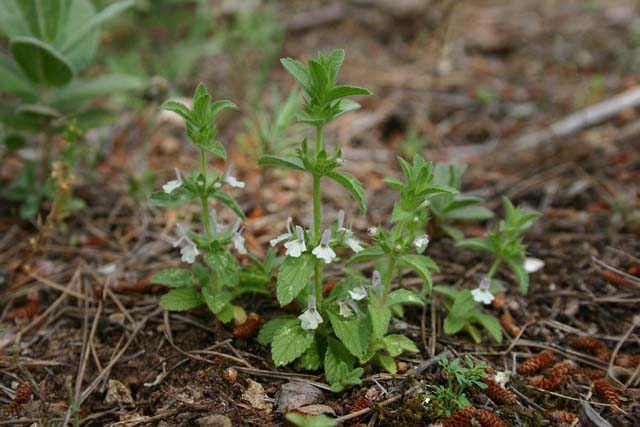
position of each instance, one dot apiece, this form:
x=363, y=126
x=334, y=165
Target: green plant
x=447, y=208
x=505, y=243
x=358, y=310
x=217, y=282
x=464, y=310
x=414, y=143
x=460, y=376
x=50, y=42
x=270, y=133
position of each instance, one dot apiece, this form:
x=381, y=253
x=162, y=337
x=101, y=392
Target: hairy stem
x=204, y=203
x=386, y=279
x=317, y=218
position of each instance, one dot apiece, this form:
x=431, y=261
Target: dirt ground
x=81, y=320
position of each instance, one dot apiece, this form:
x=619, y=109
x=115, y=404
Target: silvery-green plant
x=50, y=43
x=218, y=281
x=350, y=325
x=448, y=208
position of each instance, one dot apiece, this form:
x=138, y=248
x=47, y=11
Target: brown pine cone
x=592, y=374
x=497, y=393
x=488, y=419
x=462, y=418
x=585, y=342
x=23, y=394
x=536, y=363
x=607, y=392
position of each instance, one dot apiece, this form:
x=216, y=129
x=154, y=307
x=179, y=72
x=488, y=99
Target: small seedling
x=505, y=243
x=448, y=208
x=460, y=376
x=217, y=282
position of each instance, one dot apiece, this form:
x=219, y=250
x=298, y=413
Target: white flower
x=284, y=236
x=173, y=185
x=343, y=309
x=358, y=293
x=531, y=265
x=310, y=319
x=482, y=294
x=323, y=251
x=232, y=180
x=189, y=250
x=353, y=243
x=372, y=231
x=297, y=246
x=421, y=243
x=348, y=239
x=237, y=239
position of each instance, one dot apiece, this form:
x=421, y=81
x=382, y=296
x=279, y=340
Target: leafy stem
x=317, y=217
x=494, y=268
x=386, y=279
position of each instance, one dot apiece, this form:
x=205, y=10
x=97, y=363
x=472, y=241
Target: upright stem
x=494, y=268
x=317, y=218
x=204, y=202
x=386, y=279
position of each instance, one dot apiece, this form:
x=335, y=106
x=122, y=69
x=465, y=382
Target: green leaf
x=293, y=277
x=226, y=199
x=95, y=22
x=181, y=299
x=343, y=91
x=225, y=265
x=463, y=305
x=490, y=323
x=80, y=91
x=396, y=344
x=380, y=318
x=216, y=301
x=335, y=62
x=338, y=363
x=176, y=198
x=289, y=343
x=469, y=213
x=422, y=265
x=476, y=243
x=311, y=360
x=218, y=106
x=175, y=278
x=271, y=328
x=14, y=82
x=452, y=232
x=447, y=291
x=372, y=252
x=298, y=71
x=214, y=147
x=41, y=62
x=453, y=324
x=387, y=362
x=287, y=162
x=353, y=332
x=226, y=314
x=404, y=296
x=309, y=420
x=352, y=185
x=178, y=108
x=521, y=274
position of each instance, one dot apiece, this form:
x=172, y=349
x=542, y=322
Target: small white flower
x=372, y=231
x=358, y=293
x=285, y=236
x=323, y=251
x=297, y=246
x=173, y=185
x=232, y=180
x=353, y=243
x=531, y=265
x=237, y=239
x=189, y=250
x=482, y=294
x=421, y=243
x=310, y=319
x=343, y=309
x=349, y=240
